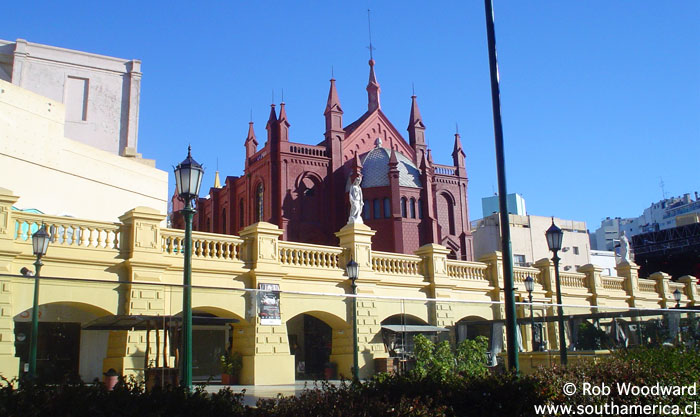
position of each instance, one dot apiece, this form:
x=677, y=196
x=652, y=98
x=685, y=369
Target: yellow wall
x=133, y=266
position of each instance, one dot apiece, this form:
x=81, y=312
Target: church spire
x=373, y=89
x=416, y=130
x=283, y=124
x=458, y=156
x=251, y=144
x=333, y=102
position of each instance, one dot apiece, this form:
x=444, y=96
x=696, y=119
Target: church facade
x=408, y=199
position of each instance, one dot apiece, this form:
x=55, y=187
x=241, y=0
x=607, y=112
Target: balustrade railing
x=310, y=256
x=647, y=285
x=396, y=264
x=474, y=271
x=204, y=245
x=521, y=273
x=573, y=280
x=613, y=283
x=68, y=231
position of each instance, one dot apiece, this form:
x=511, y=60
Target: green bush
x=434, y=392
x=440, y=363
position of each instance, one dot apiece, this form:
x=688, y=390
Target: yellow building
x=134, y=267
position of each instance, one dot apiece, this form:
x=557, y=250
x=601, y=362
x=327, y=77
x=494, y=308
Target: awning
x=413, y=328
x=149, y=322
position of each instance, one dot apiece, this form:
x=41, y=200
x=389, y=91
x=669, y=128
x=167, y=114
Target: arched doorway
x=64, y=351
x=210, y=342
x=471, y=327
x=311, y=343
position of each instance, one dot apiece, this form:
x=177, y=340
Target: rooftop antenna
x=332, y=74
x=663, y=189
x=251, y=114
x=369, y=27
x=283, y=95
x=457, y=128
x=273, y=95
x=413, y=89
x=217, y=164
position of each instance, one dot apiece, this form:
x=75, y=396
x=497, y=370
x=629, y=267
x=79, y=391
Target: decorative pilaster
x=9, y=364
x=594, y=281
x=356, y=239
x=630, y=272
x=691, y=289
x=141, y=248
x=435, y=270
x=266, y=355
x=662, y=279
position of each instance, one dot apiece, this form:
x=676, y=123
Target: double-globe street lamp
x=40, y=243
x=188, y=179
x=554, y=238
x=352, y=269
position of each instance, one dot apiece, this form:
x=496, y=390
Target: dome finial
x=378, y=143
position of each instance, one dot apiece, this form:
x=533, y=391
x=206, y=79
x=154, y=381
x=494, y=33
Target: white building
x=528, y=241
x=515, y=203
x=69, y=133
x=658, y=216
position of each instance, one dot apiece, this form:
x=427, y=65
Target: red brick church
x=408, y=199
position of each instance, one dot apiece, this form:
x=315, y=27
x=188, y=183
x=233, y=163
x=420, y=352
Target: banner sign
x=269, y=304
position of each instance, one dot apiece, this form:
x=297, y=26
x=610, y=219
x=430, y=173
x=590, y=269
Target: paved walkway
x=255, y=392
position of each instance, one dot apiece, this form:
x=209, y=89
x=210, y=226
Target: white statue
x=356, y=201
x=624, y=248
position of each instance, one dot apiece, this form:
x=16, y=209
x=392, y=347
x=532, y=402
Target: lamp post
x=40, y=243
x=530, y=287
x=188, y=179
x=677, y=297
x=352, y=270
x=554, y=238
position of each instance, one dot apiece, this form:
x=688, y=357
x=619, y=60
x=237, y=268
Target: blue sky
x=600, y=99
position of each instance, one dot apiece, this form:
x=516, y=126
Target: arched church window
x=420, y=208
x=365, y=210
x=241, y=217
x=259, y=202
x=387, y=208
x=412, y=208
x=377, y=208
x=403, y=206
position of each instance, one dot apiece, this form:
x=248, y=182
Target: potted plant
x=231, y=365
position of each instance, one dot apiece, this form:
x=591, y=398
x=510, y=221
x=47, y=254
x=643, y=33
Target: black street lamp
x=188, y=179
x=353, y=269
x=554, y=238
x=530, y=287
x=677, y=297
x=40, y=243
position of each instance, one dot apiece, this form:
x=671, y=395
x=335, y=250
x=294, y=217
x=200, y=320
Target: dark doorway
x=58, y=350
x=310, y=341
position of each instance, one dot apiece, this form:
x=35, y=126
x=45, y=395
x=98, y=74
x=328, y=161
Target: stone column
x=662, y=279
x=435, y=270
x=9, y=364
x=691, y=289
x=265, y=348
x=594, y=281
x=141, y=248
x=356, y=239
x=629, y=271
x=546, y=267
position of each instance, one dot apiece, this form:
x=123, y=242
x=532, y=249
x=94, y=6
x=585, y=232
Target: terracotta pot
x=226, y=379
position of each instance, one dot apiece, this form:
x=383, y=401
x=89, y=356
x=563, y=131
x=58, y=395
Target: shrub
x=440, y=363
